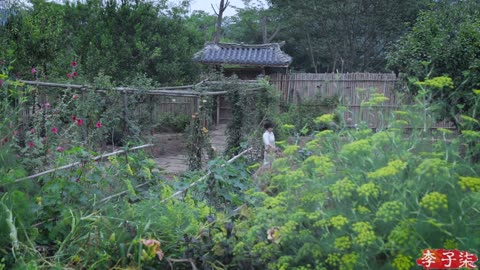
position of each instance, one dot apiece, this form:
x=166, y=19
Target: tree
x=346, y=36
x=119, y=38
x=202, y=25
x=254, y=24
x=444, y=41
x=221, y=8
x=35, y=34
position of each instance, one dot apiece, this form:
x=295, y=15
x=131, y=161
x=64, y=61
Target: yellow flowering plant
x=362, y=194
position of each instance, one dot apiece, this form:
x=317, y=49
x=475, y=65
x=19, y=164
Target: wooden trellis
x=175, y=100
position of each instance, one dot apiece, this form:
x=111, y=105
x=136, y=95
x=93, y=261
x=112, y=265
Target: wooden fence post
x=218, y=109
x=125, y=112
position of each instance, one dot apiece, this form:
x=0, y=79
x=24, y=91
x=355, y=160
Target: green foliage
x=325, y=36
x=117, y=38
x=444, y=42
x=300, y=118
x=360, y=197
x=172, y=122
x=234, y=128
x=250, y=109
x=198, y=138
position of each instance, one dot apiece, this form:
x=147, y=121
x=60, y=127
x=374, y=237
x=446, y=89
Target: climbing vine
x=250, y=109
x=198, y=138
x=251, y=106
x=234, y=127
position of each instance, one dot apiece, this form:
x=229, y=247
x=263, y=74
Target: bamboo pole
x=77, y=86
x=178, y=192
x=167, y=91
x=78, y=162
x=122, y=193
x=205, y=176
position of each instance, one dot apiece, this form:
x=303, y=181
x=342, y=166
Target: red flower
x=4, y=140
x=59, y=149
x=54, y=130
x=74, y=118
x=34, y=70
x=1, y=83
x=31, y=144
x=75, y=97
x=98, y=125
x=74, y=64
x=69, y=75
x=75, y=74
x=79, y=122
x=32, y=130
x=47, y=105
x=77, y=180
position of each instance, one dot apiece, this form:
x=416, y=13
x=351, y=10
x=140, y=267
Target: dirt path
x=170, y=149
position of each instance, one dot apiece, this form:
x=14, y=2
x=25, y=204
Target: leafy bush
x=443, y=42
x=172, y=122
x=300, y=118
x=364, y=200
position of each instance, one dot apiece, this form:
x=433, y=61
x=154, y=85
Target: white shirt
x=268, y=139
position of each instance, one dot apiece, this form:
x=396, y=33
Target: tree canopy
x=444, y=42
x=328, y=36
x=121, y=39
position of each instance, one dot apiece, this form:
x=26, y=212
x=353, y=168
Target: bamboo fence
x=350, y=89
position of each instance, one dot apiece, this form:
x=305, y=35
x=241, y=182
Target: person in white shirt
x=269, y=143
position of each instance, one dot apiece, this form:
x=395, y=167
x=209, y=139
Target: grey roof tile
x=243, y=54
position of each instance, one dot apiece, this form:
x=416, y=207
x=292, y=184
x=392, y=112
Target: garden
x=80, y=187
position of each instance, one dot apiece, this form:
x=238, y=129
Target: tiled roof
x=268, y=55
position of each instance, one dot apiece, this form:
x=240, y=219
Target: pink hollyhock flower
x=75, y=97
x=150, y=242
x=74, y=64
x=34, y=70
x=31, y=144
x=98, y=125
x=47, y=105
x=32, y=130
x=79, y=122
x=69, y=75
x=154, y=245
x=54, y=130
x=75, y=74
x=74, y=118
x=59, y=149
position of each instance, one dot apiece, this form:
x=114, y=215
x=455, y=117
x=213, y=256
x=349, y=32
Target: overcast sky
x=206, y=5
